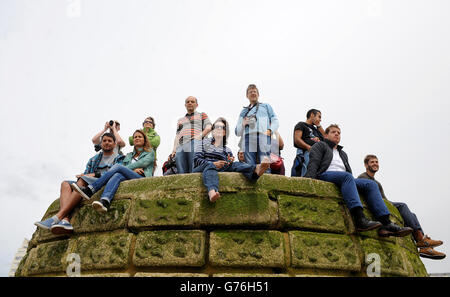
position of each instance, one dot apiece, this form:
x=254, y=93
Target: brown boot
x=430, y=253
x=428, y=242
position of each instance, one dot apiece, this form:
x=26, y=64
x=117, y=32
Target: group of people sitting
x=319, y=156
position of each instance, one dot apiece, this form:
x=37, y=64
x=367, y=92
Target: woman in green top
x=137, y=164
x=149, y=130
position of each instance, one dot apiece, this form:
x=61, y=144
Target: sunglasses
x=148, y=122
x=219, y=127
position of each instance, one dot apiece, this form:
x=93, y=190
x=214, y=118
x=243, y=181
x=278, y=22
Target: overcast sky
x=379, y=69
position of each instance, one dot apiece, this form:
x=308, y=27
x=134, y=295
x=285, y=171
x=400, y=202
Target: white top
x=336, y=163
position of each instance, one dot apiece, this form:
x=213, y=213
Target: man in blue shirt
x=256, y=123
x=69, y=199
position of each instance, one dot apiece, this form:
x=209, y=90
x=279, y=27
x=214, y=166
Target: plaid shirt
x=93, y=162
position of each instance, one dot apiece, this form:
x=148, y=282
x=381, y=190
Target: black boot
x=392, y=229
x=361, y=222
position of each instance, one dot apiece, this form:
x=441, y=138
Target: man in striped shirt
x=193, y=126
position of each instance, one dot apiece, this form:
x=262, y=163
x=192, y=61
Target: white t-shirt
x=336, y=163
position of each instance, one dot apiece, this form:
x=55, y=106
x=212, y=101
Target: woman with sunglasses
x=137, y=164
x=148, y=126
x=213, y=156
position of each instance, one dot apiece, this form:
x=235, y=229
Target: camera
x=252, y=121
x=111, y=123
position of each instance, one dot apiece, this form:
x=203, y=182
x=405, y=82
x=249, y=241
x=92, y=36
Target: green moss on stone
x=261, y=249
x=325, y=251
x=174, y=248
x=311, y=213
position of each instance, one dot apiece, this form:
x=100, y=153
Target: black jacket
x=320, y=157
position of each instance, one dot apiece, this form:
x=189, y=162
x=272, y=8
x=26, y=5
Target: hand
x=139, y=171
x=316, y=139
x=219, y=164
x=245, y=122
x=172, y=155
x=231, y=160
x=106, y=126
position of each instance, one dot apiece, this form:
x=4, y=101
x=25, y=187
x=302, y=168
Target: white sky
x=380, y=69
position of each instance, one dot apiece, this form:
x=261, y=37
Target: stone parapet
x=166, y=226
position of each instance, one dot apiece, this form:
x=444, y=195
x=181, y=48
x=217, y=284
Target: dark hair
x=110, y=135
x=225, y=123
x=368, y=157
x=312, y=111
x=327, y=130
x=153, y=120
x=146, y=142
x=251, y=86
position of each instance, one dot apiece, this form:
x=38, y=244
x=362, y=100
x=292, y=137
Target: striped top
x=191, y=126
x=205, y=151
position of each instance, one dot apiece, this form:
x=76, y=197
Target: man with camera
x=114, y=128
x=256, y=124
x=69, y=199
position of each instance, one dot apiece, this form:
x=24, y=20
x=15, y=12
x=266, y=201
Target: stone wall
x=165, y=226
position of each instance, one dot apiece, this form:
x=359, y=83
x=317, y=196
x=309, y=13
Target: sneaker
x=430, y=253
x=48, y=223
x=63, y=227
x=394, y=230
x=85, y=192
x=101, y=206
x=363, y=224
x=428, y=242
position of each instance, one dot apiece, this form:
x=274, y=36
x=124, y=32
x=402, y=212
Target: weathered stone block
x=413, y=264
x=249, y=275
x=47, y=257
x=52, y=209
x=236, y=209
x=295, y=185
x=163, y=211
x=102, y=251
x=151, y=274
x=106, y=275
x=170, y=248
x=374, y=233
x=407, y=242
x=311, y=213
x=325, y=251
x=247, y=248
x=142, y=186
x=325, y=189
x=392, y=261
x=86, y=219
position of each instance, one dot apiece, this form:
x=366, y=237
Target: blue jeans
x=184, y=157
x=350, y=186
x=256, y=147
x=210, y=173
x=112, y=178
x=409, y=217
x=300, y=163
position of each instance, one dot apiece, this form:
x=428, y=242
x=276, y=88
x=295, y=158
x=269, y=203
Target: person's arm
x=280, y=141
x=315, y=158
x=207, y=126
x=199, y=155
x=119, y=140
x=273, y=119
x=320, y=128
x=299, y=142
x=96, y=138
x=155, y=142
x=239, y=130
x=143, y=162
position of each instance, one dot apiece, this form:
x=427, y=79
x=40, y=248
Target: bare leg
x=261, y=168
x=68, y=199
x=213, y=195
